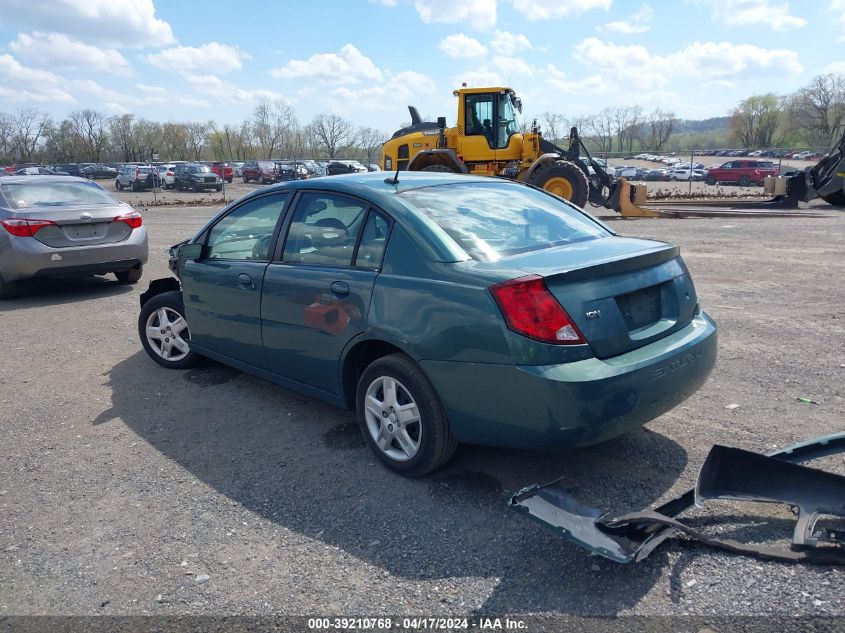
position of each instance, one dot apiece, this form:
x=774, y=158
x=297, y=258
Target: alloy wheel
x=167, y=333
x=393, y=418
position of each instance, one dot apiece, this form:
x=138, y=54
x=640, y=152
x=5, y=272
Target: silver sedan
x=58, y=226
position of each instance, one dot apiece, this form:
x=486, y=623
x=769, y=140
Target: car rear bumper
x=574, y=404
x=23, y=258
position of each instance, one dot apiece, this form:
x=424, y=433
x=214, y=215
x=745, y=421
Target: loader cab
x=487, y=120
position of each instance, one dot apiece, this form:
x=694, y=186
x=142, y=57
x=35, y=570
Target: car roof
x=43, y=178
x=372, y=186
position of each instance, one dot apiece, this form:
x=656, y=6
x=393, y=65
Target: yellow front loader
x=488, y=141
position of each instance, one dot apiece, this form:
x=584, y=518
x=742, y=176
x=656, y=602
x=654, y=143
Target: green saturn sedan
x=441, y=309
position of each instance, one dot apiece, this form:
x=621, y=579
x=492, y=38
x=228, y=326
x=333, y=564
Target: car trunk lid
x=79, y=225
x=622, y=293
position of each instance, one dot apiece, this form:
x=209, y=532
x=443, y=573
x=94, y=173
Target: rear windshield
x=25, y=195
x=490, y=221
x=199, y=169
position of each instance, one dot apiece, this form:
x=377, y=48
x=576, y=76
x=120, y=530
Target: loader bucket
x=626, y=199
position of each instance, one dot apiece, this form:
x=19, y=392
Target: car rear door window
x=324, y=229
x=247, y=232
x=373, y=241
x=490, y=221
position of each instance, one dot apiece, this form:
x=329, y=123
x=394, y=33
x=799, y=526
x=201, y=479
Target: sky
x=367, y=60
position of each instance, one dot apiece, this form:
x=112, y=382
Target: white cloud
x=220, y=90
x=59, y=50
x=116, y=108
x=117, y=23
x=461, y=46
x=513, y=67
x=639, y=22
x=396, y=91
x=479, y=78
x=346, y=66
x=534, y=10
x=705, y=60
x=23, y=84
x=834, y=67
x=750, y=12
x=505, y=43
x=209, y=58
x=838, y=8
x=480, y=14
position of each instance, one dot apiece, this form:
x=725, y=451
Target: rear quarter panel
x=434, y=310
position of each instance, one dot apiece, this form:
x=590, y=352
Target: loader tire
x=440, y=168
x=836, y=198
x=563, y=179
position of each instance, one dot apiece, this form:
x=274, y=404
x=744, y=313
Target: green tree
x=755, y=120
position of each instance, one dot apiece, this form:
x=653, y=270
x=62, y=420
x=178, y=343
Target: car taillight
x=170, y=173
x=137, y=173
x=531, y=310
x=133, y=219
x=25, y=227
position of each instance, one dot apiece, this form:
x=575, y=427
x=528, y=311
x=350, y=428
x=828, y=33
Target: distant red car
x=10, y=170
x=741, y=172
x=224, y=170
x=261, y=171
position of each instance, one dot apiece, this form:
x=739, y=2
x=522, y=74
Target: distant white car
x=167, y=172
x=238, y=168
x=756, y=153
x=627, y=172
x=686, y=174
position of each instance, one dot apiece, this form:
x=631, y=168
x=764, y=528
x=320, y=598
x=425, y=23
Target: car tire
x=118, y=186
x=427, y=442
x=218, y=188
x=229, y=180
x=195, y=188
x=744, y=181
x=564, y=179
x=131, y=275
x=710, y=180
x=8, y=289
x=133, y=186
x=245, y=179
x=167, y=306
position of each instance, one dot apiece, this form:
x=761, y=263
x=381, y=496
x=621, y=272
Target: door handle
x=340, y=288
x=245, y=281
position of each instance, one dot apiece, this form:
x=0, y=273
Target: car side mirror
x=192, y=251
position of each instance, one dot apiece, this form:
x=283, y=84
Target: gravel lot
x=129, y=489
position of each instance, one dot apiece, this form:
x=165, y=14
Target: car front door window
x=247, y=232
x=323, y=230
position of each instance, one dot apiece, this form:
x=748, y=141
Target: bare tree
x=147, y=138
x=197, y=137
x=660, y=127
x=272, y=122
x=29, y=126
x=89, y=127
x=120, y=131
x=553, y=127
x=603, y=128
x=628, y=122
x=370, y=140
x=332, y=132
x=819, y=108
x=7, y=128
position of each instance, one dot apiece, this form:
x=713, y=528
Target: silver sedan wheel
x=393, y=418
x=167, y=334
